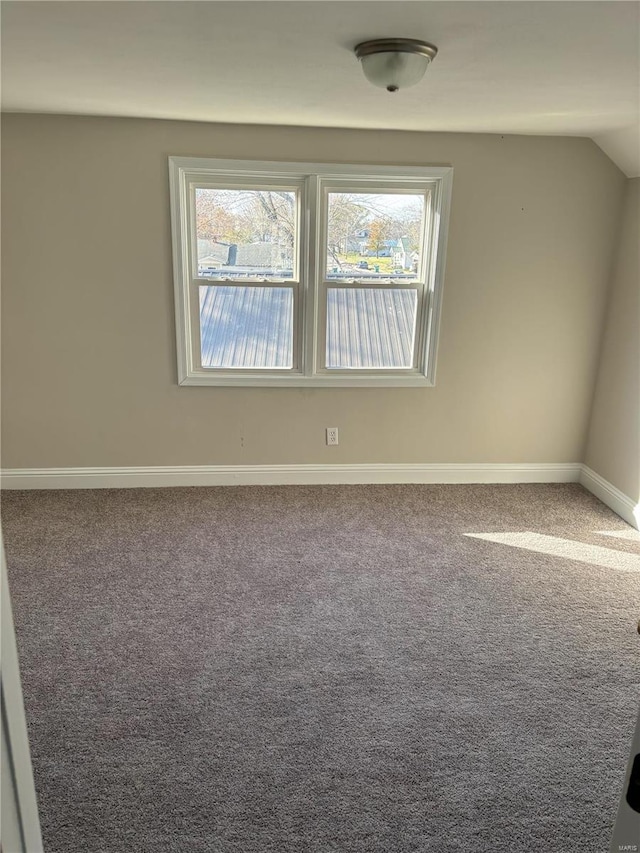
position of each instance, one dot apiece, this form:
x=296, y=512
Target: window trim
x=312, y=177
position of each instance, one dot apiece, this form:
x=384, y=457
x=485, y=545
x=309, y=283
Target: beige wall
x=89, y=374
x=613, y=449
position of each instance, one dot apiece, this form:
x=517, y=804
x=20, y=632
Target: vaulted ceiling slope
x=562, y=68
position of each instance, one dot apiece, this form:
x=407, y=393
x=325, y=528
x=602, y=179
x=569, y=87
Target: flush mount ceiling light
x=395, y=64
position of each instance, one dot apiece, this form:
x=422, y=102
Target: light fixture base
x=421, y=48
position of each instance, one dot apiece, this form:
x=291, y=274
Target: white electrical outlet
x=332, y=435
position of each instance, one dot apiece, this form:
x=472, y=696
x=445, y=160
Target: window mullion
x=311, y=267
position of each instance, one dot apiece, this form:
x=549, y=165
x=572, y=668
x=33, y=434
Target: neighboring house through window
x=307, y=273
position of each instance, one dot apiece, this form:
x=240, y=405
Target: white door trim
x=19, y=804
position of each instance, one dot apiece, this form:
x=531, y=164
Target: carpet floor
x=330, y=668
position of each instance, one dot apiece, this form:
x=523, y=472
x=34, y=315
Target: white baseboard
x=616, y=500
x=276, y=475
x=272, y=475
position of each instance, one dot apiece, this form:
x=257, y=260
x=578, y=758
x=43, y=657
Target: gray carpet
x=335, y=668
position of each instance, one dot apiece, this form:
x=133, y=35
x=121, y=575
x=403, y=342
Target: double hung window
x=306, y=273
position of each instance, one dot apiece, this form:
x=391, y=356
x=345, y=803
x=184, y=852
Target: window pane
x=374, y=235
x=370, y=328
x=245, y=233
x=246, y=326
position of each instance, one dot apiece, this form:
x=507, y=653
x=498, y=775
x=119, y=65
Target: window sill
x=414, y=380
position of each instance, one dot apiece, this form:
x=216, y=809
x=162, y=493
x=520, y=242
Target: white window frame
x=312, y=181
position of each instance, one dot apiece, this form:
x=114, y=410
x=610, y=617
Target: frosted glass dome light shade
x=394, y=64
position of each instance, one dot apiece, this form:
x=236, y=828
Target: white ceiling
x=568, y=68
